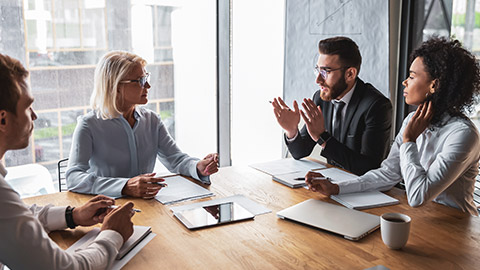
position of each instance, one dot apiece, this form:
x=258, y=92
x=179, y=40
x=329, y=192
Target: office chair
x=61, y=170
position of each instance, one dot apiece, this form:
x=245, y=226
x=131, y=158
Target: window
x=60, y=42
x=466, y=28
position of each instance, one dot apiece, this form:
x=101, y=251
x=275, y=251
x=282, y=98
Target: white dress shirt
x=24, y=241
x=441, y=166
x=105, y=154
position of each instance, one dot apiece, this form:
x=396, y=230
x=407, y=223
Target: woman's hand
x=419, y=122
x=144, y=186
x=319, y=183
x=208, y=165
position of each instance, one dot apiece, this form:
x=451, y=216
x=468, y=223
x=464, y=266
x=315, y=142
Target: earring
x=426, y=95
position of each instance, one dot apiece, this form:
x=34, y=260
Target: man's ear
x=351, y=74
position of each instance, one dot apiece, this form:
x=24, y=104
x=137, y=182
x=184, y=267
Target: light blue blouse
x=106, y=153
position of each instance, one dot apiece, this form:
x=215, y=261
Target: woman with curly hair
x=437, y=149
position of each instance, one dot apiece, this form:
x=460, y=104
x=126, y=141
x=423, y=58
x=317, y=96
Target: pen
x=161, y=184
x=116, y=206
x=315, y=178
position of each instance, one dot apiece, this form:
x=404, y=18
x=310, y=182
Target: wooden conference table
x=440, y=237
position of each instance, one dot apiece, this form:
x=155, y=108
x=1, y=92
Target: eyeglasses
x=142, y=81
x=324, y=71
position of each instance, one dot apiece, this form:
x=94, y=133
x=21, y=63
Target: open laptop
x=351, y=224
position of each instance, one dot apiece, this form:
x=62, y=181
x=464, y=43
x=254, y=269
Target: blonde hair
x=112, y=68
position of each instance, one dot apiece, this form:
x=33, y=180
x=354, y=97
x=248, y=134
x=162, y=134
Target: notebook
x=351, y=224
x=139, y=233
x=288, y=179
x=364, y=200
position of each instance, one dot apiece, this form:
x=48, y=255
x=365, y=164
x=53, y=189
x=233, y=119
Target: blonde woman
x=115, y=146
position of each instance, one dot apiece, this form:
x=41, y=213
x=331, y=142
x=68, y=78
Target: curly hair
x=457, y=74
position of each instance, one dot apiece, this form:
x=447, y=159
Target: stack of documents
x=287, y=165
x=285, y=171
x=364, y=200
x=336, y=175
x=180, y=189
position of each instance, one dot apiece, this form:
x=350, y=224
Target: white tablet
x=205, y=216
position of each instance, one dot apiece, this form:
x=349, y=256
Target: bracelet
x=69, y=217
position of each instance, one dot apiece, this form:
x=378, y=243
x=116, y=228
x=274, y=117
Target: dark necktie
x=337, y=124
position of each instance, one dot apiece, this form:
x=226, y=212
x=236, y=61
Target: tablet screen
x=205, y=216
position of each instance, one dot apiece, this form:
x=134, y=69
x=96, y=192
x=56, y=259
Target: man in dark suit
x=349, y=119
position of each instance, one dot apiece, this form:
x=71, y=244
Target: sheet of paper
x=181, y=189
x=117, y=264
x=287, y=165
x=337, y=175
x=288, y=179
x=248, y=204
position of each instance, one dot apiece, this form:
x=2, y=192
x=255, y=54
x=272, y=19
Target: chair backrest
x=476, y=194
x=61, y=170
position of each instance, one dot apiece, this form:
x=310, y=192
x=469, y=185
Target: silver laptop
x=351, y=224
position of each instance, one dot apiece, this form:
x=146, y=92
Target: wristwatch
x=324, y=137
x=69, y=217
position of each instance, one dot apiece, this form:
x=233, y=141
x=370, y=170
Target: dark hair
x=457, y=74
x=11, y=70
x=345, y=48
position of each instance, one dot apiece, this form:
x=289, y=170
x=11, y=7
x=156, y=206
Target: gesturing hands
x=144, y=186
x=318, y=183
x=313, y=117
x=208, y=165
x=286, y=118
x=419, y=122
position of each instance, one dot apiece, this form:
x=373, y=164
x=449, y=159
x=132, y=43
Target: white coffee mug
x=395, y=228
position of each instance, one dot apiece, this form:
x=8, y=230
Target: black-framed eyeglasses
x=324, y=71
x=142, y=81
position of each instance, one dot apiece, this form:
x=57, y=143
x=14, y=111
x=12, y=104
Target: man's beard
x=336, y=90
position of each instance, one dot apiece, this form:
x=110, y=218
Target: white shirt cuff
x=56, y=218
x=111, y=236
x=292, y=139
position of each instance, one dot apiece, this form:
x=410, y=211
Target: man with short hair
x=349, y=119
x=24, y=230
